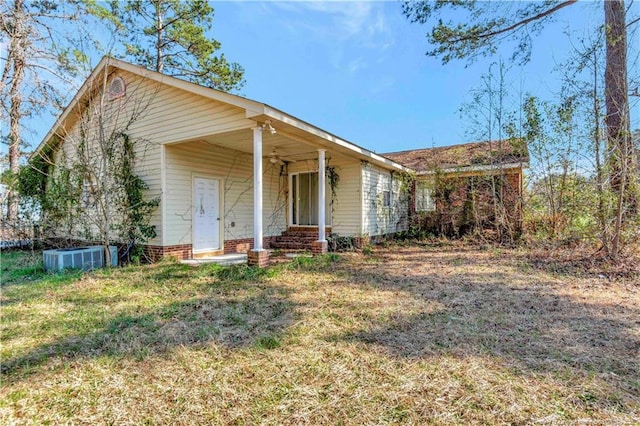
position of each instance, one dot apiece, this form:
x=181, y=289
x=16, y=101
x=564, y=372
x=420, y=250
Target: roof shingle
x=507, y=151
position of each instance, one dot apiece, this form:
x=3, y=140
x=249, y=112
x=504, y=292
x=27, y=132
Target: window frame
x=424, y=201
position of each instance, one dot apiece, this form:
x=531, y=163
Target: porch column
x=320, y=246
x=258, y=255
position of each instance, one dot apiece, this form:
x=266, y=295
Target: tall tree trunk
x=617, y=112
x=17, y=56
x=602, y=214
x=159, y=41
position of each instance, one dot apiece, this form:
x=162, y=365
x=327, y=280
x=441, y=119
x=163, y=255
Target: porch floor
x=223, y=259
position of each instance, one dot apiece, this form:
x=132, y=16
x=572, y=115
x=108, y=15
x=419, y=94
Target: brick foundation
x=258, y=258
x=181, y=251
x=319, y=247
x=245, y=245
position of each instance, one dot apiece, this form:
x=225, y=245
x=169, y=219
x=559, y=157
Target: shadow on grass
x=536, y=324
x=231, y=314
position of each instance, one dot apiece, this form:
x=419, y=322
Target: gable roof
x=253, y=110
x=507, y=153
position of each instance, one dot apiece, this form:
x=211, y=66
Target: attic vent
x=117, y=88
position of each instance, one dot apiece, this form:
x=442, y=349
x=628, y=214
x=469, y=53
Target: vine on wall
x=70, y=193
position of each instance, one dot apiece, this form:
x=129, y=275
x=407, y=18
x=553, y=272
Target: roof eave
x=485, y=168
x=252, y=109
x=363, y=153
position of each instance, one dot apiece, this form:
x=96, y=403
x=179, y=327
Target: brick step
x=300, y=234
x=295, y=239
x=304, y=231
x=290, y=246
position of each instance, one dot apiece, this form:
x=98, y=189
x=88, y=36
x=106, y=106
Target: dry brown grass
x=439, y=334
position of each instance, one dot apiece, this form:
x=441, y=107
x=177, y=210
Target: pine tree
x=169, y=36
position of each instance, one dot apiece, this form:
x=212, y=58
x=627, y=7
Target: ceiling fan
x=274, y=158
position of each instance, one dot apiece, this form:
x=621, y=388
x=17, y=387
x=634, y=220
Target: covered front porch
x=246, y=191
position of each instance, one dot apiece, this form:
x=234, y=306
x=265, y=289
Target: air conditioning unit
x=85, y=258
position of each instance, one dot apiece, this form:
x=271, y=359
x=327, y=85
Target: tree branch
x=635, y=21
x=518, y=24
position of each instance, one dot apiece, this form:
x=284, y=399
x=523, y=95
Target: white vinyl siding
x=163, y=114
x=173, y=115
x=347, y=216
x=235, y=169
x=115, y=115
x=378, y=216
x=346, y=209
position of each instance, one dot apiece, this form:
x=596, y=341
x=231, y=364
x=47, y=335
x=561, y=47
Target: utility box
x=85, y=258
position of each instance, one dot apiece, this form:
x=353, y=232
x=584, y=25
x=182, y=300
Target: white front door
x=206, y=214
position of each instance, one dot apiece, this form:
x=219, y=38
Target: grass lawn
x=412, y=334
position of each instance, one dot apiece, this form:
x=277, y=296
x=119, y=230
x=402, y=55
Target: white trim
x=362, y=208
x=113, y=96
x=163, y=195
x=308, y=128
x=220, y=210
x=294, y=225
x=297, y=221
x=252, y=109
x=207, y=92
x=290, y=199
x=486, y=168
x=257, y=189
x=424, y=201
x=322, y=196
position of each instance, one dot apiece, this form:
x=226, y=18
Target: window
x=424, y=198
x=386, y=199
x=117, y=88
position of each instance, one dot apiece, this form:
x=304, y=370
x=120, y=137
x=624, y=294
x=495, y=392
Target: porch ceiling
x=295, y=141
x=287, y=149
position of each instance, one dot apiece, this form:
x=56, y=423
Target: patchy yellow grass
x=439, y=334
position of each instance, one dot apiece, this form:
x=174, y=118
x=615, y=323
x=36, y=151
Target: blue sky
x=359, y=69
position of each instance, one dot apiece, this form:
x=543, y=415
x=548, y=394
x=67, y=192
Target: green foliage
x=313, y=263
x=479, y=27
x=334, y=179
x=170, y=36
x=575, y=217
x=238, y=273
x=64, y=200
x=341, y=243
x=134, y=208
x=32, y=177
x=268, y=342
x=407, y=181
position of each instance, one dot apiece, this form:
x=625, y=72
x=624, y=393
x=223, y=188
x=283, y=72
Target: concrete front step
x=223, y=259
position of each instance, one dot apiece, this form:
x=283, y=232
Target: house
x=234, y=175
x=469, y=185
x=231, y=174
